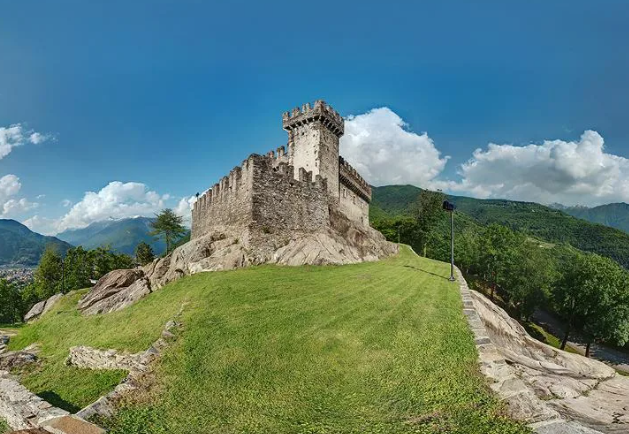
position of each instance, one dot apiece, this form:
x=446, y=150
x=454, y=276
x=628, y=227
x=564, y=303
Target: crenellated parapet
x=351, y=179
x=320, y=112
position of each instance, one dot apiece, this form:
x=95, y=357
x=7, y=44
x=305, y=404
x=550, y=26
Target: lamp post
x=449, y=207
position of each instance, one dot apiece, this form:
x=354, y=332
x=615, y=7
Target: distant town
x=18, y=276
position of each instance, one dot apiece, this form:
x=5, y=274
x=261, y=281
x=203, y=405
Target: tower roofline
x=321, y=112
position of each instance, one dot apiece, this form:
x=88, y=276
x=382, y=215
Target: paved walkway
x=618, y=359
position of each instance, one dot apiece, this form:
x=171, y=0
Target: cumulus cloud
x=10, y=186
x=116, y=200
x=381, y=147
x=184, y=209
x=574, y=172
x=16, y=135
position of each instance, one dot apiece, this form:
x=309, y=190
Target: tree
x=168, y=226
x=467, y=250
x=77, y=269
x=498, y=252
x=144, y=253
x=593, y=297
x=10, y=303
x=429, y=212
x=528, y=278
x=49, y=273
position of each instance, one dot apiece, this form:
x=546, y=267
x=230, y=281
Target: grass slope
x=369, y=348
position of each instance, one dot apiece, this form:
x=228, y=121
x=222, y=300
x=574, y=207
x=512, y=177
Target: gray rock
x=42, y=307
x=115, y=291
x=584, y=391
x=16, y=359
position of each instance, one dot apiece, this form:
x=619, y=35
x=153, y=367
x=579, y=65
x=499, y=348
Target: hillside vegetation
x=615, y=215
x=536, y=220
x=370, y=348
x=19, y=246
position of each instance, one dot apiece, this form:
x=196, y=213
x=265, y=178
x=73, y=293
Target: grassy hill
x=538, y=221
x=121, y=235
x=615, y=215
x=19, y=246
x=369, y=348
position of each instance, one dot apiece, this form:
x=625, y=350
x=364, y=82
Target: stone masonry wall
x=227, y=203
x=313, y=141
x=283, y=203
x=355, y=193
x=263, y=194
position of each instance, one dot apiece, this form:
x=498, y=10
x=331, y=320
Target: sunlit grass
x=369, y=348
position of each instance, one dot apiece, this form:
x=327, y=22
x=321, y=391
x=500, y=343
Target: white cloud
x=116, y=200
x=14, y=207
x=10, y=185
x=577, y=172
x=42, y=225
x=382, y=148
x=15, y=135
x=66, y=203
x=184, y=209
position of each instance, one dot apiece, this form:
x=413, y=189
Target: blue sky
x=170, y=95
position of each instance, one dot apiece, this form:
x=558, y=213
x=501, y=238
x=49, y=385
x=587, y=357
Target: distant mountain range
x=543, y=222
x=615, y=215
x=21, y=247
x=121, y=235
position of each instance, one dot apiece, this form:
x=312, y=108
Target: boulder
x=114, y=291
x=42, y=307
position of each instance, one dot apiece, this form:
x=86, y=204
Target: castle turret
x=313, y=141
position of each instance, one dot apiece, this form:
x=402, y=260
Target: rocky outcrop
x=557, y=392
x=115, y=291
x=347, y=243
x=42, y=308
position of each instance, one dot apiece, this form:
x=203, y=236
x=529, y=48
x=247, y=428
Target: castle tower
x=313, y=141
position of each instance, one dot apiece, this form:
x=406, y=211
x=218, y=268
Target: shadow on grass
x=427, y=272
x=57, y=401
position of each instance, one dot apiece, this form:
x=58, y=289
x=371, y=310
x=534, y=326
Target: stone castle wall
x=290, y=190
x=354, y=194
x=263, y=194
x=313, y=141
x=227, y=203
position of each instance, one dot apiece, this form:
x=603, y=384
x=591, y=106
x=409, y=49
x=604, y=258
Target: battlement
x=350, y=178
x=321, y=112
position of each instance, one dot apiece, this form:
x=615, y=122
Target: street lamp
x=449, y=207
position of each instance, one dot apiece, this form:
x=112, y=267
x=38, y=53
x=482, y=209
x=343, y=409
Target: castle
x=295, y=189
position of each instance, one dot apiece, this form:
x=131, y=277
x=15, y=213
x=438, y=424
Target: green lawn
x=3, y=426
x=368, y=348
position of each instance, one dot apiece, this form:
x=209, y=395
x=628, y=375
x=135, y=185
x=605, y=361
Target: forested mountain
x=121, y=235
x=19, y=246
x=539, y=221
x=615, y=215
